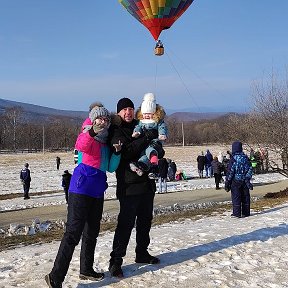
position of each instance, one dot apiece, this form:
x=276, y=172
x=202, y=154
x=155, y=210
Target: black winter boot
x=92, y=275
x=51, y=283
x=147, y=259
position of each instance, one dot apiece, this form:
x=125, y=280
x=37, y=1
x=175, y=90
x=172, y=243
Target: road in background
x=112, y=206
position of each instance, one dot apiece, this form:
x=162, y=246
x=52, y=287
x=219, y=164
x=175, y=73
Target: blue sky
x=66, y=54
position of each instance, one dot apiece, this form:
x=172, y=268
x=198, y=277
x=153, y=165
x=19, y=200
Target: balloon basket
x=158, y=51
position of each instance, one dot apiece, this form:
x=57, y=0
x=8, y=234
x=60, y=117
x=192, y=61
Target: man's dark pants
x=26, y=188
x=139, y=208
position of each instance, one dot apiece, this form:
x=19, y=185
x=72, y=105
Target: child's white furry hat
x=149, y=103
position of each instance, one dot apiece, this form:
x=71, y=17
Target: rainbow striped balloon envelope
x=156, y=15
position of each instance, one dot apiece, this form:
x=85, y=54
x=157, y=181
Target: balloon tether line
x=182, y=81
x=197, y=76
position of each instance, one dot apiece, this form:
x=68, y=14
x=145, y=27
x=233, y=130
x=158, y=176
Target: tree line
x=16, y=133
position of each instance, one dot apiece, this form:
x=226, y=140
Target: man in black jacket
x=135, y=193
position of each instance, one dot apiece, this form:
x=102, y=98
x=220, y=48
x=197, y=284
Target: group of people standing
x=107, y=144
x=205, y=163
x=259, y=160
x=214, y=166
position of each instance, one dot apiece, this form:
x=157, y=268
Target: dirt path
x=112, y=206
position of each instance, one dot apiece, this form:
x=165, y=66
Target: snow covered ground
x=45, y=176
x=215, y=251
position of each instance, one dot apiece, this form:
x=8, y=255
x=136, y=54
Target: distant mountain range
x=32, y=112
x=195, y=116
x=35, y=112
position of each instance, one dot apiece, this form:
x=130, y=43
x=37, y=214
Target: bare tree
x=240, y=127
x=271, y=114
x=13, y=116
x=175, y=133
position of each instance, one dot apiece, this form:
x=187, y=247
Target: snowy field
x=45, y=176
x=215, y=251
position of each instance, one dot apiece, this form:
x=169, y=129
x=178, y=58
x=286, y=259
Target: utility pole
x=183, y=135
x=43, y=139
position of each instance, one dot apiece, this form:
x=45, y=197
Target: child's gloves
x=136, y=134
x=162, y=137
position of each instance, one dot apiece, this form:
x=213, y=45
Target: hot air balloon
x=156, y=15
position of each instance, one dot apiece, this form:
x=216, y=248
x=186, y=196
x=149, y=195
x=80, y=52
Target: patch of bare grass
x=281, y=194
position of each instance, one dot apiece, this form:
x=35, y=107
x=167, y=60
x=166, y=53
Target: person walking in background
x=253, y=162
x=217, y=168
x=225, y=164
x=135, y=193
x=252, y=153
x=284, y=157
x=163, y=171
x=25, y=178
x=208, y=161
x=201, y=164
x=172, y=168
x=58, y=162
x=66, y=178
x=265, y=159
x=238, y=179
x=170, y=175
x=258, y=161
x=228, y=155
x=220, y=157
x=86, y=198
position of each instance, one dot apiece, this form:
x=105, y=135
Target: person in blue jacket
x=238, y=179
x=26, y=180
x=208, y=164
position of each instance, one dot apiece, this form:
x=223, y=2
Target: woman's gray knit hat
x=97, y=112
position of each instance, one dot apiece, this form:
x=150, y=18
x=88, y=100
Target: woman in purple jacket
x=86, y=198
